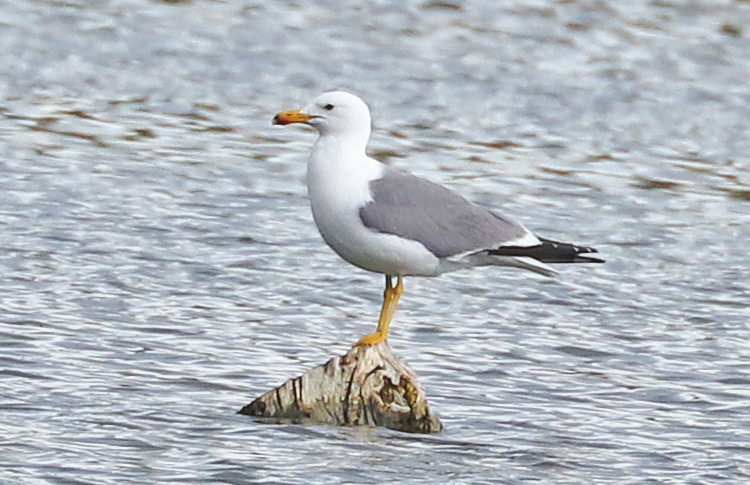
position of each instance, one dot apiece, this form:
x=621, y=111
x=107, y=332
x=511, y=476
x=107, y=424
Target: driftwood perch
x=369, y=386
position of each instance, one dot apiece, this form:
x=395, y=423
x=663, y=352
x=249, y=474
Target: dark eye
x=328, y=107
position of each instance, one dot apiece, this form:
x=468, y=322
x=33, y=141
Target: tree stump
x=369, y=386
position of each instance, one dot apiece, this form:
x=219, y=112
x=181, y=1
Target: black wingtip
x=590, y=257
x=552, y=252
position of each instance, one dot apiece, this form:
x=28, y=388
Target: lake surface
x=161, y=268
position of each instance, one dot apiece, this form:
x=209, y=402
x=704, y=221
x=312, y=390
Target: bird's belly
x=370, y=250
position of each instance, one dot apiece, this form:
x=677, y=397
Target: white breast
x=338, y=186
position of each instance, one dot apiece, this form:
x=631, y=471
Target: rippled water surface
x=161, y=267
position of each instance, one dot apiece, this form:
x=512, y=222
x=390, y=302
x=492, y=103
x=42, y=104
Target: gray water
x=160, y=267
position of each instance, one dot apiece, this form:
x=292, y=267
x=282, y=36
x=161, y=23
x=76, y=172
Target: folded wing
x=443, y=221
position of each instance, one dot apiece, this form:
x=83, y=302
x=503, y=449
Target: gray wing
x=440, y=219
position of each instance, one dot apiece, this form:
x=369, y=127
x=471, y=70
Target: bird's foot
x=372, y=339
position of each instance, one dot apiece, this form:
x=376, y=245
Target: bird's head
x=336, y=112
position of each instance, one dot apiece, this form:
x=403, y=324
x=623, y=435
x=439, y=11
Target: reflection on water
x=162, y=268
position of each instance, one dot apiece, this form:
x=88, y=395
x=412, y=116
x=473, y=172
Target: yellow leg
x=390, y=301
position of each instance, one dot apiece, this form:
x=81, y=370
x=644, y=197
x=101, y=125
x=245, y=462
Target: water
x=161, y=268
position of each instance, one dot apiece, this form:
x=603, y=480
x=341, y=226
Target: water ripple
x=162, y=268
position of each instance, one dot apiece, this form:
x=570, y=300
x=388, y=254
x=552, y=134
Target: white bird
x=388, y=221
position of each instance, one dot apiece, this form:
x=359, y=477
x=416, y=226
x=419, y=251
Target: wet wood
x=369, y=386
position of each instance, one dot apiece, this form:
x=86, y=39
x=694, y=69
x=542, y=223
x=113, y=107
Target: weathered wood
x=369, y=386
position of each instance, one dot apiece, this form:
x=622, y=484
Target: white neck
x=340, y=161
x=353, y=142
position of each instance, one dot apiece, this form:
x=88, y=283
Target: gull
x=388, y=221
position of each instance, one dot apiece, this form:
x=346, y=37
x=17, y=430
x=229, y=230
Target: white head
x=337, y=113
